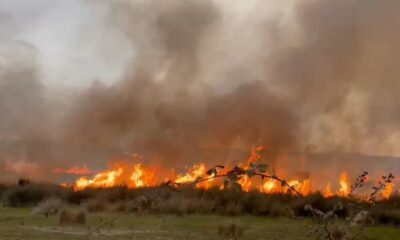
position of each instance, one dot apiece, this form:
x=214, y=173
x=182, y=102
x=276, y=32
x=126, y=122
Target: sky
x=69, y=53
x=72, y=46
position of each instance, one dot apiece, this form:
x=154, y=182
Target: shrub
x=386, y=216
x=96, y=205
x=30, y=195
x=23, y=181
x=230, y=230
x=181, y=205
x=232, y=209
x=48, y=207
x=68, y=217
x=23, y=196
x=65, y=217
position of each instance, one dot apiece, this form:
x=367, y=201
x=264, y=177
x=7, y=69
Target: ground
x=22, y=224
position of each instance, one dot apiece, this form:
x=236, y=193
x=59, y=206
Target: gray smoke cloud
x=202, y=86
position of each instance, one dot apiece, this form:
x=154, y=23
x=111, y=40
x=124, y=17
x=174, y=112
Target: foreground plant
x=328, y=227
x=327, y=224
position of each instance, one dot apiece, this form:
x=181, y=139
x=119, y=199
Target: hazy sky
x=70, y=41
x=69, y=45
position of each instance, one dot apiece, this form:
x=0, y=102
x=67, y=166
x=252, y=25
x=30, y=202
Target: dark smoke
x=201, y=86
x=178, y=118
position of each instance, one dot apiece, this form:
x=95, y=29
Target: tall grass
x=169, y=200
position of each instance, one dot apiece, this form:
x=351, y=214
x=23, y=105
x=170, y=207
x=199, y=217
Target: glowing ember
x=269, y=187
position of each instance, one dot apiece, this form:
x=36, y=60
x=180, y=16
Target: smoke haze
x=206, y=81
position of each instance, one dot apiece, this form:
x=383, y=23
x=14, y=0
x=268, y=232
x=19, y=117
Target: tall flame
x=327, y=191
x=344, y=185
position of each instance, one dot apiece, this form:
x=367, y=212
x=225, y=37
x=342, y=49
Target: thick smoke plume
x=317, y=77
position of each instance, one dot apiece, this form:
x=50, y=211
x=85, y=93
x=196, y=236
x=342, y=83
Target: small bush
x=80, y=218
x=23, y=181
x=232, y=209
x=121, y=206
x=96, y=205
x=30, y=195
x=65, y=217
x=386, y=216
x=68, y=217
x=23, y=196
x=337, y=232
x=181, y=205
x=49, y=207
x=231, y=230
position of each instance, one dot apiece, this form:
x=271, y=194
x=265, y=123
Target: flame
x=344, y=185
x=255, y=154
x=141, y=177
x=73, y=171
x=246, y=183
x=327, y=191
x=269, y=186
x=102, y=180
x=388, y=190
x=137, y=175
x=197, y=172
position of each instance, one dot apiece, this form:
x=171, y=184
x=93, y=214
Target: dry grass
x=69, y=217
x=166, y=200
x=231, y=230
x=96, y=205
x=49, y=207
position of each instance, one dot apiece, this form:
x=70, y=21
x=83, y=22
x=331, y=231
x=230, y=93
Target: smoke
x=208, y=81
x=341, y=71
x=22, y=107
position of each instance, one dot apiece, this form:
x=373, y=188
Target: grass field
x=21, y=224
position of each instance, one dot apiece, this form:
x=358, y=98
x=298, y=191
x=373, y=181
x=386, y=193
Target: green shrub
x=30, y=195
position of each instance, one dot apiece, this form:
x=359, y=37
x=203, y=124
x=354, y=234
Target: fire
x=136, y=175
x=122, y=173
x=102, y=180
x=73, y=171
x=255, y=154
x=141, y=177
x=269, y=187
x=388, y=190
x=196, y=172
x=246, y=183
x=304, y=187
x=327, y=191
x=344, y=185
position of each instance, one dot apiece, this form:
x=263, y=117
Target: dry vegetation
x=49, y=199
x=336, y=218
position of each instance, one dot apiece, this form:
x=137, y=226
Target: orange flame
x=269, y=186
x=136, y=176
x=102, y=180
x=73, y=171
x=327, y=191
x=141, y=177
x=388, y=190
x=197, y=172
x=344, y=185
